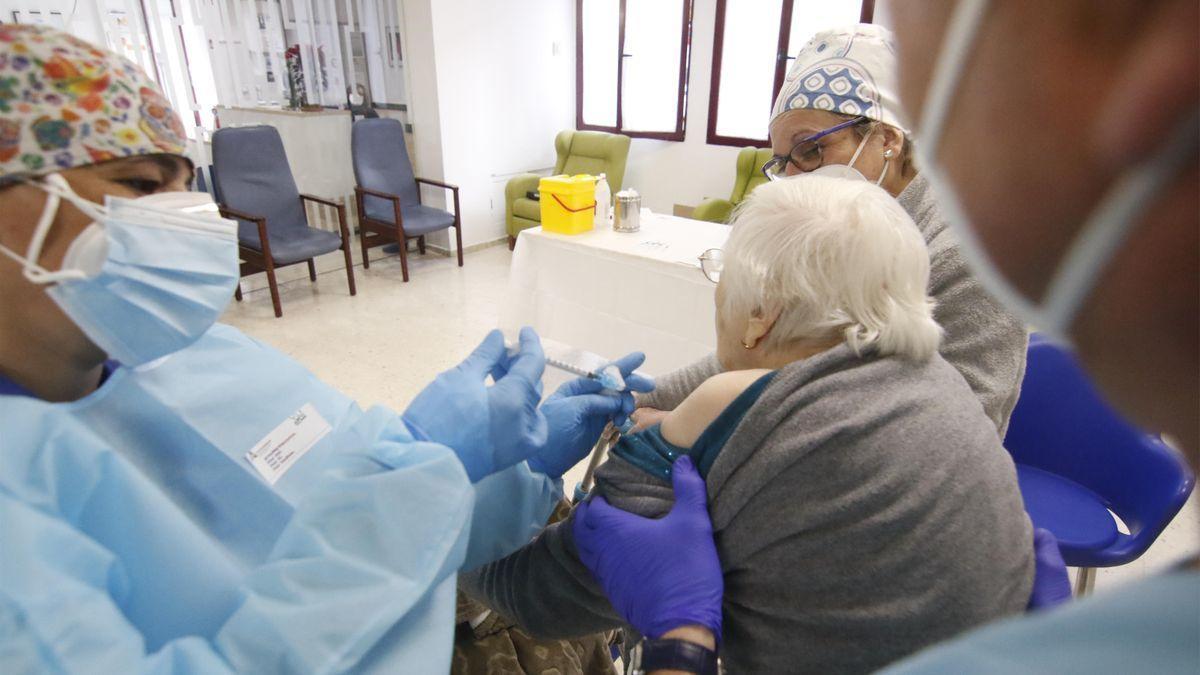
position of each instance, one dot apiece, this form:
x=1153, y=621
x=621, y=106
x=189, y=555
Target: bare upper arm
x=683, y=425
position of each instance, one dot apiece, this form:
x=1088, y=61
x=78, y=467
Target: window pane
x=748, y=67
x=809, y=18
x=601, y=23
x=653, y=35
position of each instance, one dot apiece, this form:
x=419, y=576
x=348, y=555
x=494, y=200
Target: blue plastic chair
x=1077, y=460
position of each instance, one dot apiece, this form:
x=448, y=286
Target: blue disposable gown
x=135, y=537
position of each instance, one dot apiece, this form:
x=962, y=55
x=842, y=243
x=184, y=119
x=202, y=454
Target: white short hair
x=836, y=258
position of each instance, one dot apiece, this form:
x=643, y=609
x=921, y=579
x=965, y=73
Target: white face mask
x=146, y=278
x=1103, y=232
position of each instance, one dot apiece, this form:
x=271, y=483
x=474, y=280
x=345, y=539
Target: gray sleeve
x=983, y=341
x=543, y=587
x=672, y=388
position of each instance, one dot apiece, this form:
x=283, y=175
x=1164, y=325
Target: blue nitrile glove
x=1051, y=585
x=658, y=574
x=577, y=413
x=490, y=428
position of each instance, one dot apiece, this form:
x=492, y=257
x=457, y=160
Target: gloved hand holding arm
x=577, y=413
x=660, y=575
x=490, y=428
x=1051, y=585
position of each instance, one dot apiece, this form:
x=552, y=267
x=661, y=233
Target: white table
x=613, y=293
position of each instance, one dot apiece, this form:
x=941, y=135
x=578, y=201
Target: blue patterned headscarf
x=846, y=70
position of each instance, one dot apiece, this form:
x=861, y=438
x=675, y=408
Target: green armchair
x=750, y=162
x=593, y=152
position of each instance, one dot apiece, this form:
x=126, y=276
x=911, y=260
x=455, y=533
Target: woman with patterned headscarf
x=175, y=496
x=838, y=113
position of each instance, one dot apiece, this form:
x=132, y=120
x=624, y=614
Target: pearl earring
x=887, y=154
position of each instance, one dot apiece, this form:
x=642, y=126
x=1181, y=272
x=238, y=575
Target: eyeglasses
x=712, y=262
x=805, y=155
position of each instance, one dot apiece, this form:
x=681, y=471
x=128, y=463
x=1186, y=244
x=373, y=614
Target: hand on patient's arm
x=659, y=574
x=644, y=418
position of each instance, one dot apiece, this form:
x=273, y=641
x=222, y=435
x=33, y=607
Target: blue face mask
x=144, y=280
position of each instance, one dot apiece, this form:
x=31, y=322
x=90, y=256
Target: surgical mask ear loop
x=1113, y=219
x=56, y=189
x=887, y=161
x=952, y=61
x=858, y=151
x=33, y=272
x=1104, y=230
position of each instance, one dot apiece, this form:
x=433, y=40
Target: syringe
x=609, y=376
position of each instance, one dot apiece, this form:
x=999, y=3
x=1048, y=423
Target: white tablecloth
x=613, y=293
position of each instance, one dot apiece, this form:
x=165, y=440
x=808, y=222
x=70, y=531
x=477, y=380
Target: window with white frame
x=631, y=65
x=753, y=46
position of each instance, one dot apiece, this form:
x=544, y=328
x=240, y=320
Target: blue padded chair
x=251, y=173
x=387, y=195
x=1077, y=459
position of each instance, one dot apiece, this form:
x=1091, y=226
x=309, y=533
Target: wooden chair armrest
x=376, y=193
x=321, y=200
x=430, y=181
x=227, y=212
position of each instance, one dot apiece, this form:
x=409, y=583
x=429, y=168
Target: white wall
x=668, y=173
x=504, y=85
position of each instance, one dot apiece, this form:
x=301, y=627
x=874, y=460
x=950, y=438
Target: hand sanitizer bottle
x=603, y=202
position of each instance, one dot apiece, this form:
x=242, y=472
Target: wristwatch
x=651, y=655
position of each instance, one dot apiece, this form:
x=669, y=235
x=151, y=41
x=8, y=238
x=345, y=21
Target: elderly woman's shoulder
x=685, y=423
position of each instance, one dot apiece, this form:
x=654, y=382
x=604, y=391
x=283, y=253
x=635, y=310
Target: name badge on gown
x=279, y=450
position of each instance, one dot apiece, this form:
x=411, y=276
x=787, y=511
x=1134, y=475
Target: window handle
x=625, y=56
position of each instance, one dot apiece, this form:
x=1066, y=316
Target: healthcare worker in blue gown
x=1063, y=141
x=177, y=497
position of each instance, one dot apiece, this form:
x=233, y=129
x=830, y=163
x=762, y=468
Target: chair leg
x=458, y=238
x=1085, y=582
x=421, y=244
x=274, y=288
x=349, y=267
x=237, y=291
x=362, y=240
x=403, y=254
x=312, y=270
x=512, y=242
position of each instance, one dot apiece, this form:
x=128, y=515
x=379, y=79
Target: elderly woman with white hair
x=862, y=504
x=838, y=107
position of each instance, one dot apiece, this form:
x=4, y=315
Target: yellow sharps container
x=568, y=203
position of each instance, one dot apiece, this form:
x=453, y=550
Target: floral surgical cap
x=65, y=103
x=847, y=70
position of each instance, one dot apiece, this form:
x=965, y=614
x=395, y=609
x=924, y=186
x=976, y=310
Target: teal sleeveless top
x=650, y=452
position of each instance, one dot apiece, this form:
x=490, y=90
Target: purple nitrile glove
x=658, y=574
x=577, y=413
x=1051, y=586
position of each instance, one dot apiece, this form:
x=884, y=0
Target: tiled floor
x=383, y=345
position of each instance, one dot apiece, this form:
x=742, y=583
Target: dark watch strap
x=677, y=655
